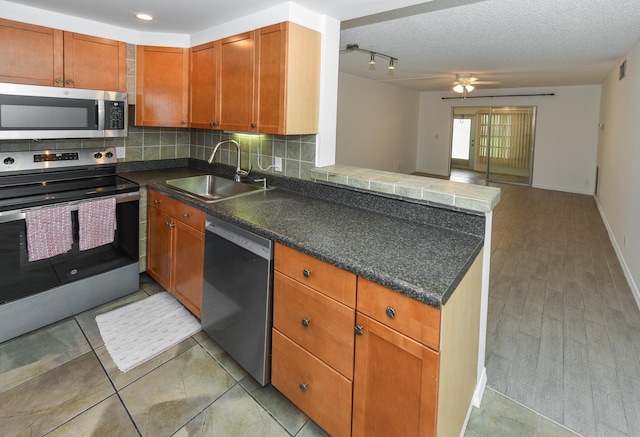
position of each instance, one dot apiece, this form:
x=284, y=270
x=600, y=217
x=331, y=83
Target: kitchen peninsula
x=423, y=263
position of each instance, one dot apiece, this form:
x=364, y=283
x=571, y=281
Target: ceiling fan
x=465, y=82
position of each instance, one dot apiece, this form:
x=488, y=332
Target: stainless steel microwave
x=35, y=112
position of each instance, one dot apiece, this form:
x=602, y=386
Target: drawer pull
x=306, y=273
x=186, y=215
x=359, y=329
x=391, y=313
x=305, y=322
x=156, y=201
x=303, y=387
x=169, y=224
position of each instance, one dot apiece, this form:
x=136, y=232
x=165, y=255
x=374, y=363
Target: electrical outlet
x=277, y=164
x=121, y=152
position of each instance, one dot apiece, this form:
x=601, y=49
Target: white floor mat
x=135, y=333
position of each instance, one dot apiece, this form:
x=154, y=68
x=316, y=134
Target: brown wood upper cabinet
x=162, y=86
x=204, y=85
x=266, y=81
x=38, y=55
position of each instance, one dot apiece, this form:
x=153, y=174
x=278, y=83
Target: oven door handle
x=19, y=214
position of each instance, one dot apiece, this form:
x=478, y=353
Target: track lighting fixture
x=372, y=55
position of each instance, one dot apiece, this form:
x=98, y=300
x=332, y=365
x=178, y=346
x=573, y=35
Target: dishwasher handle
x=247, y=240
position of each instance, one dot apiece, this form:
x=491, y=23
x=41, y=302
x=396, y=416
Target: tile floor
x=562, y=341
x=61, y=381
x=563, y=327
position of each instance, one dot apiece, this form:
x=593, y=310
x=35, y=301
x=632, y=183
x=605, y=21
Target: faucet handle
x=243, y=173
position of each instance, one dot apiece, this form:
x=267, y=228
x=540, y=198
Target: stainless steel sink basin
x=211, y=188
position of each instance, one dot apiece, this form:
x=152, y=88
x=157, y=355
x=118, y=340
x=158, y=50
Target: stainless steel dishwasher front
x=237, y=295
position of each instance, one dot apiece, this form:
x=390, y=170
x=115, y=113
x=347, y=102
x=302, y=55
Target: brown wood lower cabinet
x=414, y=366
x=175, y=248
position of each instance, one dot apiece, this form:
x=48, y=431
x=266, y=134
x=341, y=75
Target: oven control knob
x=97, y=155
x=9, y=160
x=109, y=155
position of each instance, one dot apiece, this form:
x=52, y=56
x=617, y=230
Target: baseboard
x=479, y=391
x=625, y=268
x=475, y=400
x=588, y=191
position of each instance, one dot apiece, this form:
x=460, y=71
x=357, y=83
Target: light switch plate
x=277, y=164
x=120, y=152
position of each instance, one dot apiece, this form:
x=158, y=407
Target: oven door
x=21, y=278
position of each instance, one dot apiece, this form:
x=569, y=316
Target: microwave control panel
x=114, y=114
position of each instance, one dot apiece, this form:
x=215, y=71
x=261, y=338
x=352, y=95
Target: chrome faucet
x=240, y=173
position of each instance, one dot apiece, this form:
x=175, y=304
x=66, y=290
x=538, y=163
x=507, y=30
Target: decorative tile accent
x=438, y=192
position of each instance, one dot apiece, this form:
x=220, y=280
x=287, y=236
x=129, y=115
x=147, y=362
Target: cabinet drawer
x=412, y=318
x=321, y=276
x=319, y=324
x=326, y=397
x=179, y=211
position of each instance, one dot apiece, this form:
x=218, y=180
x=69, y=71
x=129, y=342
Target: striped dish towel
x=49, y=232
x=97, y=222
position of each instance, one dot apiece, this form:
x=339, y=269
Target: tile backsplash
x=152, y=143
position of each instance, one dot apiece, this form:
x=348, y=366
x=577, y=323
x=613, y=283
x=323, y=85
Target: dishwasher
x=237, y=295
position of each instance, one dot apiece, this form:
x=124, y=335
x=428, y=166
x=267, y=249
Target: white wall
x=618, y=161
x=377, y=125
x=566, y=133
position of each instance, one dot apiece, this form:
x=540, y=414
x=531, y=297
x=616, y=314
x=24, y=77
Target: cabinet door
x=204, y=82
x=188, y=266
x=30, y=54
x=94, y=63
x=270, y=78
x=236, y=75
x=162, y=86
x=388, y=384
x=159, y=246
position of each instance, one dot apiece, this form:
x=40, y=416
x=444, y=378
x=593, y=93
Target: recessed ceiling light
x=144, y=17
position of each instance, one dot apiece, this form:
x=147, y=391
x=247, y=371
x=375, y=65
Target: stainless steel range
x=37, y=291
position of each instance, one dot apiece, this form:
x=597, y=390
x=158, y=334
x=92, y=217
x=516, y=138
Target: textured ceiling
x=520, y=43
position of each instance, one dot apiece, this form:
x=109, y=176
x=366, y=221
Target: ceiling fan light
x=144, y=17
x=391, y=67
x=458, y=88
x=469, y=88
x=372, y=61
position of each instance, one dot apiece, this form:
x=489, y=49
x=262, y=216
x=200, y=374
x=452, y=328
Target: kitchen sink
x=211, y=188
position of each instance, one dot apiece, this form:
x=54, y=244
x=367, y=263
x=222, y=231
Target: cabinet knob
x=253, y=125
x=391, y=312
x=186, y=215
x=303, y=387
x=306, y=273
x=169, y=224
x=156, y=201
x=305, y=322
x=216, y=124
x=359, y=330
x=58, y=80
x=183, y=121
x=69, y=81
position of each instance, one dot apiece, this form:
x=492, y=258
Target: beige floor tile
x=164, y=400
x=49, y=400
x=37, y=352
x=108, y=418
x=234, y=414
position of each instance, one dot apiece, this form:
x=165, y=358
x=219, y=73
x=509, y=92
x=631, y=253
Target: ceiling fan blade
x=485, y=82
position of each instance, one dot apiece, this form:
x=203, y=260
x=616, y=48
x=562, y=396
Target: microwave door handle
x=100, y=120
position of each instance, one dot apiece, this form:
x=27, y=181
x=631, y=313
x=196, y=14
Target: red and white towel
x=97, y=222
x=49, y=232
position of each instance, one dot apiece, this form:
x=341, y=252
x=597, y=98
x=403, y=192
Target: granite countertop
x=423, y=261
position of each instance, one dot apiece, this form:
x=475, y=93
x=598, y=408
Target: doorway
x=495, y=141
